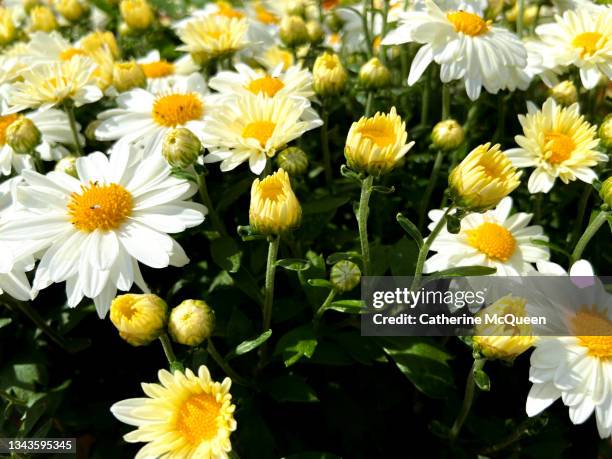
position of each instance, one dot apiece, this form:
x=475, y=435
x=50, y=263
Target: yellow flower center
x=267, y=84
x=69, y=53
x=5, y=122
x=560, y=146
x=589, y=42
x=381, y=133
x=594, y=331
x=493, y=240
x=124, y=305
x=103, y=207
x=176, y=109
x=265, y=16
x=468, y=23
x=272, y=189
x=197, y=418
x=260, y=130
x=157, y=69
x=225, y=9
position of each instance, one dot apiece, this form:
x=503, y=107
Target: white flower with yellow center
x=48, y=85
x=162, y=74
x=144, y=118
x=254, y=127
x=187, y=415
x=494, y=238
x=582, y=38
x=92, y=231
x=577, y=369
x=273, y=56
x=558, y=142
x=466, y=46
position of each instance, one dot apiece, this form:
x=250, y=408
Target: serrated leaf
x=248, y=346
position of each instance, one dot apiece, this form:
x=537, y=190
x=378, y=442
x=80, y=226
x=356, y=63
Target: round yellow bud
x=345, y=275
x=274, y=207
x=329, y=75
x=605, y=132
x=293, y=31
x=7, y=27
x=139, y=318
x=191, y=322
x=293, y=160
x=484, y=177
x=447, y=135
x=95, y=41
x=376, y=145
x=67, y=165
x=529, y=14
x=22, y=135
x=296, y=8
x=374, y=74
x=42, y=19
x=503, y=341
x=128, y=75
x=181, y=148
x=315, y=32
x=71, y=10
x=564, y=93
x=137, y=14
x=606, y=192
x=29, y=4
x=494, y=8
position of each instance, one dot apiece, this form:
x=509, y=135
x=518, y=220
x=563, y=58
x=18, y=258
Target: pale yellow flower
x=329, y=75
x=191, y=322
x=139, y=319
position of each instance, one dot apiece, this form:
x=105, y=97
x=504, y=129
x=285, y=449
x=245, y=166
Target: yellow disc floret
x=594, y=331
x=493, y=240
x=468, y=23
x=267, y=84
x=103, y=207
x=560, y=147
x=158, y=69
x=259, y=130
x=589, y=43
x=176, y=109
x=197, y=418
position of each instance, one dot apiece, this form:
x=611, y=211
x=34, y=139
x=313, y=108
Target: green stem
x=212, y=212
x=445, y=102
x=538, y=207
x=385, y=13
x=69, y=109
x=588, y=234
x=169, y=353
x=368, y=107
x=430, y=187
x=325, y=144
x=362, y=222
x=468, y=398
x=425, y=100
x=582, y=205
x=418, y=273
x=325, y=305
x=229, y=371
x=269, y=286
x=366, y=27
x=519, y=18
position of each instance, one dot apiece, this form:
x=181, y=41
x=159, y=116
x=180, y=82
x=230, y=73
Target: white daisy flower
x=144, y=118
x=161, y=74
x=91, y=232
x=577, y=369
x=558, y=142
x=254, y=127
x=582, y=38
x=493, y=238
x=465, y=45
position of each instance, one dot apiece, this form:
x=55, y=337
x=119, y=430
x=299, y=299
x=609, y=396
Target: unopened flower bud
x=139, y=318
x=329, y=75
x=447, y=135
x=274, y=207
x=71, y=10
x=181, y=148
x=315, y=32
x=374, y=74
x=334, y=21
x=42, y=19
x=564, y=93
x=529, y=14
x=293, y=31
x=605, y=132
x=128, y=75
x=29, y=4
x=23, y=136
x=7, y=27
x=95, y=41
x=345, y=275
x=191, y=322
x=293, y=160
x=137, y=14
x=67, y=165
x=606, y=191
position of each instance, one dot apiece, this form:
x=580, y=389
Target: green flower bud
x=293, y=31
x=181, y=148
x=315, y=32
x=605, y=132
x=128, y=75
x=329, y=75
x=374, y=74
x=447, y=135
x=67, y=165
x=345, y=275
x=606, y=191
x=293, y=160
x=191, y=322
x=23, y=136
x=564, y=93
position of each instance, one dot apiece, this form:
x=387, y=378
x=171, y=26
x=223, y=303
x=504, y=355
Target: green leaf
x=334, y=258
x=5, y=321
x=325, y=204
x=453, y=224
x=293, y=264
x=322, y=283
x=411, y=229
x=348, y=306
x=226, y=253
x=462, y=271
x=422, y=362
x=482, y=380
x=299, y=342
x=290, y=388
x=403, y=257
x=248, y=346
x=551, y=246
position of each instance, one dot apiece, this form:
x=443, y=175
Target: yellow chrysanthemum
x=139, y=318
x=99, y=39
x=42, y=19
x=375, y=145
x=483, y=178
x=212, y=36
x=191, y=322
x=329, y=75
x=274, y=207
x=187, y=415
x=7, y=27
x=137, y=14
x=558, y=142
